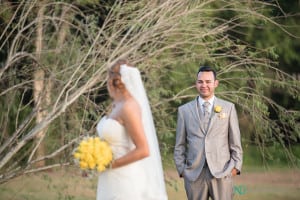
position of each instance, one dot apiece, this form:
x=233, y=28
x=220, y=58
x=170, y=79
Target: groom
x=208, y=151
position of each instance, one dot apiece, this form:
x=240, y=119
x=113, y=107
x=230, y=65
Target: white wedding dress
x=140, y=180
x=128, y=182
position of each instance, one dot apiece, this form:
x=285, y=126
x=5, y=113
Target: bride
x=136, y=172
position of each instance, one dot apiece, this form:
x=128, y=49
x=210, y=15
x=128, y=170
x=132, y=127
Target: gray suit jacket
x=220, y=145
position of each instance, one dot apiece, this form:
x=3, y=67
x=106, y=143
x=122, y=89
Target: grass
x=68, y=184
x=276, y=181
x=62, y=184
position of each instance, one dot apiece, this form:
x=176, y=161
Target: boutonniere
x=217, y=109
x=222, y=115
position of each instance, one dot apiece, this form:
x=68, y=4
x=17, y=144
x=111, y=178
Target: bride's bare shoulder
x=131, y=106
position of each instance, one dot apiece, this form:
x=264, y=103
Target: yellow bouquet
x=93, y=153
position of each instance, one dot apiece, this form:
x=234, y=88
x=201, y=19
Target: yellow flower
x=93, y=154
x=100, y=168
x=91, y=164
x=217, y=109
x=83, y=165
x=77, y=155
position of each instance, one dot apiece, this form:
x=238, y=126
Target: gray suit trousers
x=208, y=186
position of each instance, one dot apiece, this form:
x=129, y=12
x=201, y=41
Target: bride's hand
x=84, y=174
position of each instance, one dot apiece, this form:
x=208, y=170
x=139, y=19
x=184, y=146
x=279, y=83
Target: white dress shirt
x=211, y=103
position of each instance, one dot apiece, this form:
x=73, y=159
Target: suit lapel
x=213, y=115
x=196, y=112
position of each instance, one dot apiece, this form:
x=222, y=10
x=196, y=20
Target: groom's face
x=206, y=84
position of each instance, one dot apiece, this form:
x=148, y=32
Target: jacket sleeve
x=180, y=144
x=235, y=140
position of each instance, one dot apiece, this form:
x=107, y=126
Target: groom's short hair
x=207, y=69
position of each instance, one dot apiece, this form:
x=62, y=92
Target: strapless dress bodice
x=115, y=134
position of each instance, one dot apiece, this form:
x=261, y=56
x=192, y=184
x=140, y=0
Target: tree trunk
x=63, y=31
x=40, y=92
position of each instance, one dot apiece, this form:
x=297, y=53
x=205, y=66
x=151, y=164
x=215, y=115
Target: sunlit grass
x=272, y=181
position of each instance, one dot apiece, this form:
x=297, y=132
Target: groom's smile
x=206, y=84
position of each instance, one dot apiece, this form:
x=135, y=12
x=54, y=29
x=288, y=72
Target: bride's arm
x=131, y=117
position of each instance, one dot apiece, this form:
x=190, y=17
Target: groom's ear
x=216, y=83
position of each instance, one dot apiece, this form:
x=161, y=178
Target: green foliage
x=271, y=156
x=87, y=2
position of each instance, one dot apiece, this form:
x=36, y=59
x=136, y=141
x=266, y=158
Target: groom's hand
x=234, y=172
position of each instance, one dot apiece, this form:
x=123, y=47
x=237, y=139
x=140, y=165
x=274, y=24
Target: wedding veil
x=131, y=77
